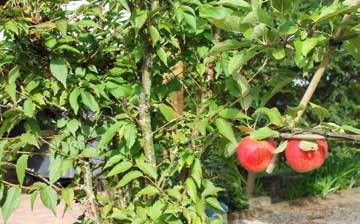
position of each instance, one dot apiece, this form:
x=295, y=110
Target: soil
x=337, y=208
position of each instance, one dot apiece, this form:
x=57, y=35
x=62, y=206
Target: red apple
x=254, y=155
x=302, y=160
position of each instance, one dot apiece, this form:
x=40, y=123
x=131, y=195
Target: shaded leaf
x=89, y=100
x=109, y=134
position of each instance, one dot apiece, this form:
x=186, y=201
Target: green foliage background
x=96, y=83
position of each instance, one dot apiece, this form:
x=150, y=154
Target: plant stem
x=144, y=109
x=94, y=210
x=144, y=101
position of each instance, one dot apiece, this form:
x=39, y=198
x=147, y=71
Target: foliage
x=96, y=85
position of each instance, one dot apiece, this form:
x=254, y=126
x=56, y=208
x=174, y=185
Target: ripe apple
x=305, y=160
x=255, y=155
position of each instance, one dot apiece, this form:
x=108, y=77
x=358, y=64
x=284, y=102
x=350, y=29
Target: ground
x=337, y=208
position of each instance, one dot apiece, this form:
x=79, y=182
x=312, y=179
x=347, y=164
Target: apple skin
x=255, y=156
x=304, y=161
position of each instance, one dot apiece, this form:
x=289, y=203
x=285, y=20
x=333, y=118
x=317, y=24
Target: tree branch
x=89, y=189
x=319, y=135
x=144, y=100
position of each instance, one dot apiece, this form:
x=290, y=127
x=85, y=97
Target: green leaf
x=67, y=48
x=228, y=45
x=234, y=3
x=308, y=146
x=11, y=25
x=61, y=25
x=130, y=135
x=345, y=127
x=49, y=198
x=212, y=12
x=148, y=191
x=203, y=125
x=162, y=55
x=73, y=100
x=210, y=189
x=281, y=147
x=73, y=125
x=90, y=152
x=3, y=143
x=353, y=47
x=146, y=167
x=278, y=53
x=320, y=111
x=156, y=210
x=89, y=100
x=132, y=175
x=263, y=133
x=273, y=114
x=240, y=59
x=167, y=111
x=10, y=89
x=196, y=172
x=113, y=160
x=68, y=195
x=29, y=108
x=191, y=189
x=155, y=35
x=138, y=18
x=233, y=113
x=214, y=203
x=33, y=198
x=225, y=129
x=55, y=171
x=190, y=19
x=230, y=149
x=59, y=69
x=14, y=73
x=11, y=203
x=282, y=5
x=120, y=168
x=109, y=134
x=29, y=138
x=21, y=166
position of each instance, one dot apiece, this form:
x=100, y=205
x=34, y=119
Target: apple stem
x=250, y=184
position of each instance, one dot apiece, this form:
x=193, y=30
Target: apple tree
x=130, y=95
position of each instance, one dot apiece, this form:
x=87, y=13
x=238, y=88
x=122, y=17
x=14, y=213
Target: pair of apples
x=255, y=156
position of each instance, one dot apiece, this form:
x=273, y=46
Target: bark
x=93, y=210
x=144, y=99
